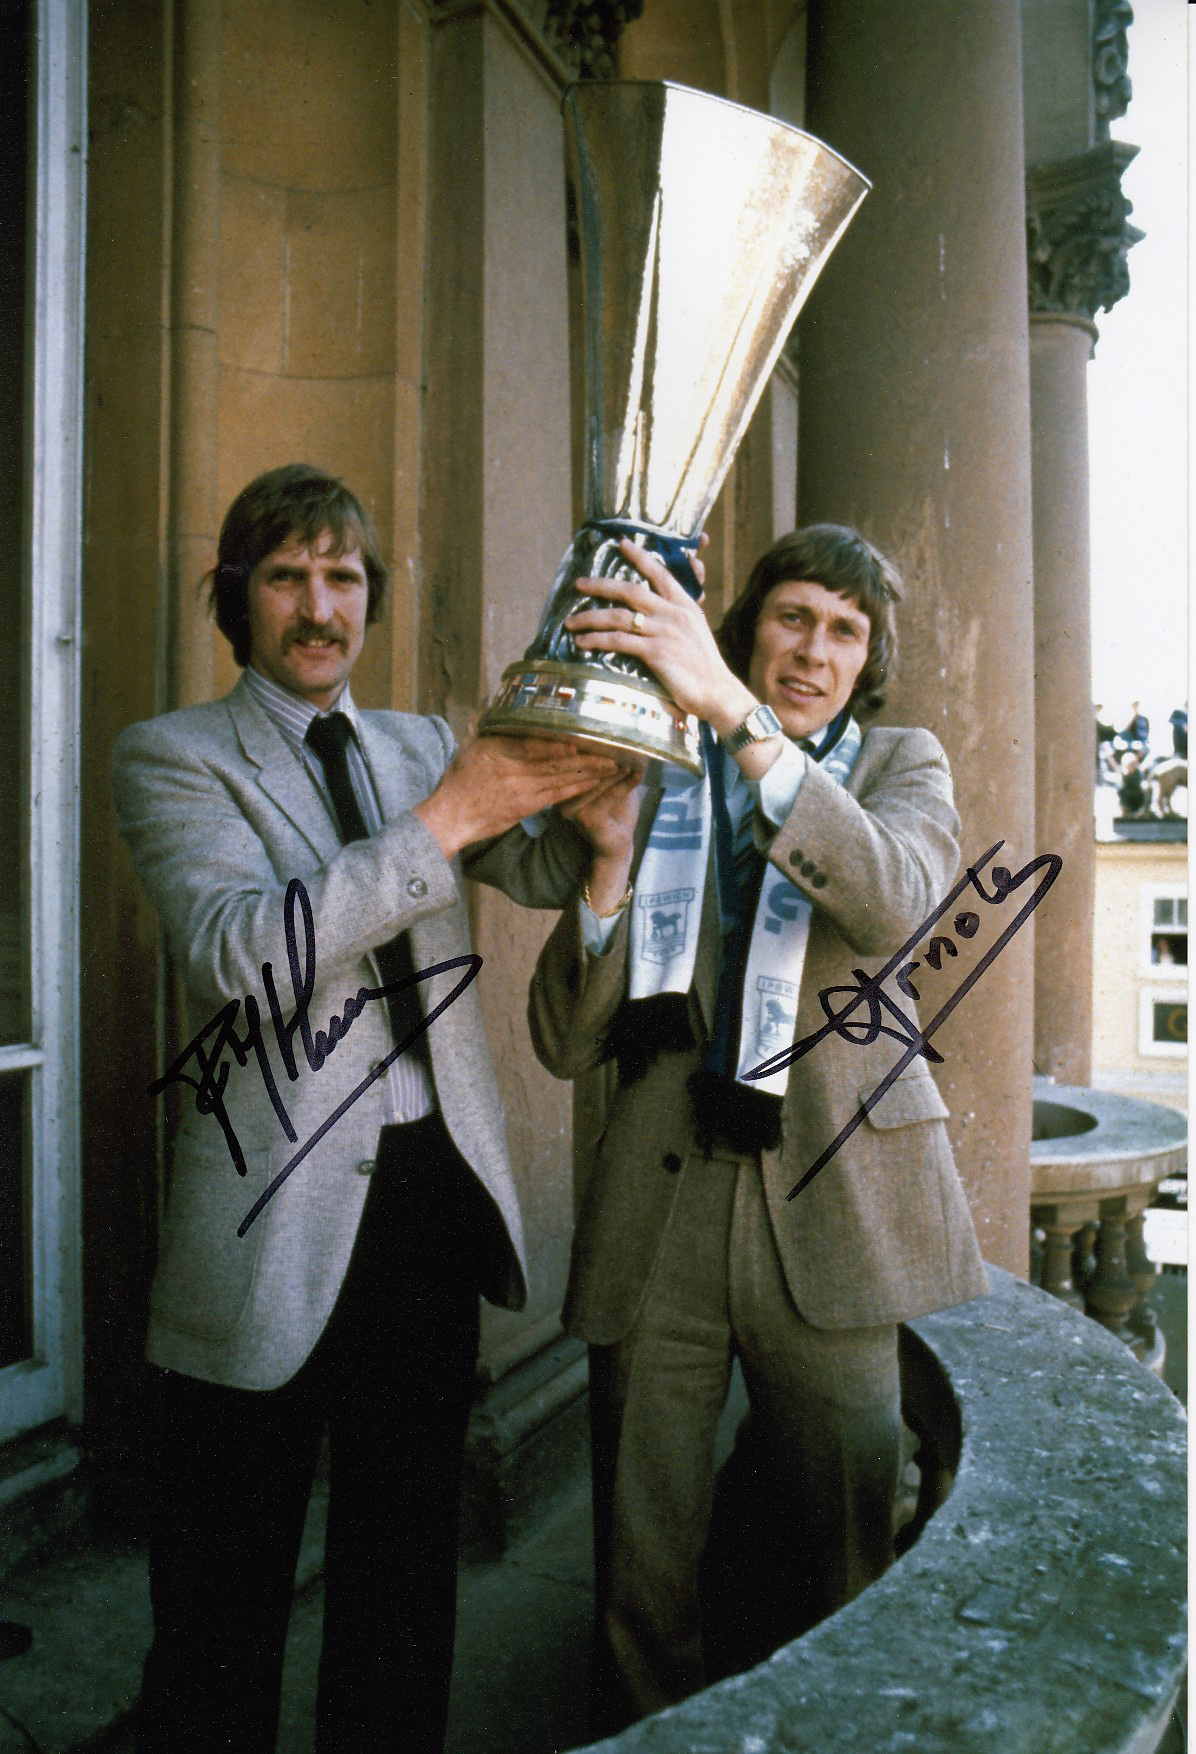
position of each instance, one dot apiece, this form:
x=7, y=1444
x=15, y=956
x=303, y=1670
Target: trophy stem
x=611, y=698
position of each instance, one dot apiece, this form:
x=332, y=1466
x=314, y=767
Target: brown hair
x=296, y=501
x=842, y=561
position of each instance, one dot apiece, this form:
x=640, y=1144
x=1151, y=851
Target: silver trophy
x=703, y=226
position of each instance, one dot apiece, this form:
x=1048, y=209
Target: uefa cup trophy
x=703, y=226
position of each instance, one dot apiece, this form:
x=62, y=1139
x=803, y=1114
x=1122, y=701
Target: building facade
x=268, y=230
x=1140, y=998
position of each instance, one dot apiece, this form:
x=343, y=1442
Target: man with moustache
x=712, y=921
x=349, y=1304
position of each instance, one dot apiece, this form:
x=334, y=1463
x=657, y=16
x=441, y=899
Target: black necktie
x=739, y=869
x=329, y=738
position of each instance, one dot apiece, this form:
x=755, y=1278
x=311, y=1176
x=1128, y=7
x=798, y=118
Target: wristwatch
x=760, y=724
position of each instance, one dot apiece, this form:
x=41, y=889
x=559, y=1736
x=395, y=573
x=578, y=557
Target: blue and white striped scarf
x=667, y=914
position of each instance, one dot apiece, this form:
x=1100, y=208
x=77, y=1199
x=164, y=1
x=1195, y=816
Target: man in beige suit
x=340, y=1189
x=711, y=924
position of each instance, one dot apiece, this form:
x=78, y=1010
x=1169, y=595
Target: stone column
x=1060, y=349
x=193, y=512
x=1078, y=238
x=497, y=515
x=914, y=426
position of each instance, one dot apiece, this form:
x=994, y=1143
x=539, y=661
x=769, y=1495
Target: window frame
x=1148, y=998
x=48, y=1383
x=1152, y=893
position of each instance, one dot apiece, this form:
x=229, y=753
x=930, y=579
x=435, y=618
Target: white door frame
x=49, y=1383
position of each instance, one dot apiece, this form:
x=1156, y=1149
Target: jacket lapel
x=399, y=781
x=281, y=773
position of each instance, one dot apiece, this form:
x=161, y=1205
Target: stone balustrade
x=1040, y=1611
x=1097, y=1160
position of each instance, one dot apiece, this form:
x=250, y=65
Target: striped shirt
x=409, y=1084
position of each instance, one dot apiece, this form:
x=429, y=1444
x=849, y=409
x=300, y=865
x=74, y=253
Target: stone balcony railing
x=1097, y=1160
x=1041, y=1609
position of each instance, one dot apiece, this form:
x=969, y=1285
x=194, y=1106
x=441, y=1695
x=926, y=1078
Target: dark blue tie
x=740, y=870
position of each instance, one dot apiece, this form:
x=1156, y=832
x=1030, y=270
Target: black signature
x=209, y=1046
x=868, y=989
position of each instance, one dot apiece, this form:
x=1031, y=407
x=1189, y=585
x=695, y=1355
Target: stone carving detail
x=1110, y=60
x=1078, y=232
x=585, y=32
x=581, y=33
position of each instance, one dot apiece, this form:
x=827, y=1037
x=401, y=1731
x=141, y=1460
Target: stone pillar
x=1078, y=232
x=497, y=516
x=1060, y=348
x=125, y=623
x=193, y=512
x=914, y=426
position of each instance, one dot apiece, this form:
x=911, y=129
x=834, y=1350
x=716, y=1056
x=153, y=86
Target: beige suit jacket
x=219, y=815
x=883, y=1232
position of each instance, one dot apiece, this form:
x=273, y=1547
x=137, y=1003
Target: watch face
x=760, y=724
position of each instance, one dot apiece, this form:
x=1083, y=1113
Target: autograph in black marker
x=869, y=992
x=220, y=1036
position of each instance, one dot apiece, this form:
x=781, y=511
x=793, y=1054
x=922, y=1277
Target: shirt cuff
x=597, y=933
x=777, y=790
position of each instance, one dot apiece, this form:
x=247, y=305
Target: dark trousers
x=391, y=1379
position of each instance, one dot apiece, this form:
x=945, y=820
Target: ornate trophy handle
x=594, y=554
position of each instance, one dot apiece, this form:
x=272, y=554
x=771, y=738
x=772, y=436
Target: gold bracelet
x=618, y=907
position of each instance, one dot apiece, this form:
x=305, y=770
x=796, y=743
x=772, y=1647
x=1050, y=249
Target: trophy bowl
x=703, y=227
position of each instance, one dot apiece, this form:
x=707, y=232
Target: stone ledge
x=528, y=1441
x=42, y=1491
x=1124, y=1143
x=1042, y=1610
x=1160, y=828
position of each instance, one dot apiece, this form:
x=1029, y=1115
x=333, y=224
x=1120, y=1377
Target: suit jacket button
x=671, y=1162
x=366, y=1166
x=417, y=887
x=818, y=880
x=795, y=857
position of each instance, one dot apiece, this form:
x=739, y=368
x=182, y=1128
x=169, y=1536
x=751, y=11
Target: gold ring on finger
x=637, y=621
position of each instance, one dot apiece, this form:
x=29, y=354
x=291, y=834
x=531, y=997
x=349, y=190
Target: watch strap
x=759, y=725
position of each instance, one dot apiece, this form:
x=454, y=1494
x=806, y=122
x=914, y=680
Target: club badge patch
x=776, y=1015
x=664, y=923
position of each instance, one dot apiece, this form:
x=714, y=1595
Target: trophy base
x=540, y=697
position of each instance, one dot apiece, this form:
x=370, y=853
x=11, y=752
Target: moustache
x=305, y=630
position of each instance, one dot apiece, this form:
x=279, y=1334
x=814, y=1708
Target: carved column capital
x=1111, y=88
x=576, y=37
x=1078, y=233
x=585, y=32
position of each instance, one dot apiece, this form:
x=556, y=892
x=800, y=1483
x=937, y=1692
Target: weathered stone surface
x=1078, y=232
x=1125, y=1143
x=1042, y=1610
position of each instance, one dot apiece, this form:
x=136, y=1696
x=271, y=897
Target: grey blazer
x=219, y=815
x=883, y=1232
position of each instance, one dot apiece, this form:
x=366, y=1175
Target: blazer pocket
x=906, y=1101
x=205, y=1271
